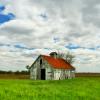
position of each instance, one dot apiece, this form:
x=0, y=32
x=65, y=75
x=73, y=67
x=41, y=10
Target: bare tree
x=28, y=67
x=69, y=57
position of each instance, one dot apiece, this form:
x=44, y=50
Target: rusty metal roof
x=58, y=63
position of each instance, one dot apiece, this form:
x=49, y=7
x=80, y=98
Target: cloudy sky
x=32, y=27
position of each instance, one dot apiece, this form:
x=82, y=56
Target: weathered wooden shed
x=51, y=68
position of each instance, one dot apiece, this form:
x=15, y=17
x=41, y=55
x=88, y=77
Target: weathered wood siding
x=50, y=72
x=34, y=71
x=60, y=74
x=36, y=68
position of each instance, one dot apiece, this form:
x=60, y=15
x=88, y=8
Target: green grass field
x=71, y=89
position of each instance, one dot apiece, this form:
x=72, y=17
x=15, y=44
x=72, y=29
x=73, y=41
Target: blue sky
x=5, y=17
x=29, y=28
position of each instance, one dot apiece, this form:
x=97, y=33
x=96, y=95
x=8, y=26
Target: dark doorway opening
x=42, y=74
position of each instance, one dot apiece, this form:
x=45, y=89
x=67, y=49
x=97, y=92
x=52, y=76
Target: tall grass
x=71, y=89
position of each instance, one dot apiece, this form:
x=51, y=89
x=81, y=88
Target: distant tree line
x=16, y=72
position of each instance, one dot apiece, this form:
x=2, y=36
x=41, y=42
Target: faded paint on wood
x=50, y=72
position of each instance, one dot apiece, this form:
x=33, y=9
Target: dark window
x=40, y=61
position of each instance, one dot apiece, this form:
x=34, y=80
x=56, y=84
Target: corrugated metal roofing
x=58, y=63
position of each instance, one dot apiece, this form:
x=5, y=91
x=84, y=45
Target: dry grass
x=14, y=76
x=87, y=74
